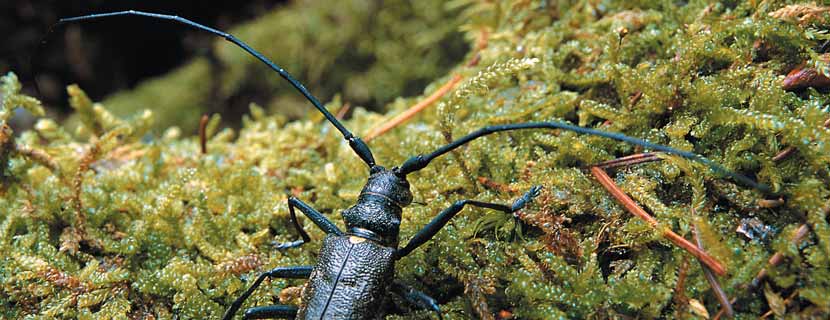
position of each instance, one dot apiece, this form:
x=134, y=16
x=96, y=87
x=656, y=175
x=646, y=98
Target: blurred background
x=365, y=52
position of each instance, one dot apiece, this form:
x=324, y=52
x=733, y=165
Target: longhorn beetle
x=356, y=268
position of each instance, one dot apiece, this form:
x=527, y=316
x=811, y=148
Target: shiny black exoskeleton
x=355, y=269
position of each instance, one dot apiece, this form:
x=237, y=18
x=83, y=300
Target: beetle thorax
x=377, y=213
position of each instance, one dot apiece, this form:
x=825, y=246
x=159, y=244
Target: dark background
x=112, y=55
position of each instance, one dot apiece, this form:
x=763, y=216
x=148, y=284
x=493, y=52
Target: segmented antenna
x=360, y=148
x=420, y=161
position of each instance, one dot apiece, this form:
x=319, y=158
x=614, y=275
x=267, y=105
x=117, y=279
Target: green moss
x=111, y=222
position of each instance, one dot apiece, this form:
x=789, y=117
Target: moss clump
x=110, y=222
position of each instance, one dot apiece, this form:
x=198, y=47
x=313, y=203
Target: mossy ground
x=113, y=221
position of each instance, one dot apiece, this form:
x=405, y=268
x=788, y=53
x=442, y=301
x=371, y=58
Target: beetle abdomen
x=349, y=281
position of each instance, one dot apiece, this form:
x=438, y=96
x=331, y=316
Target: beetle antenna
x=360, y=148
x=420, y=161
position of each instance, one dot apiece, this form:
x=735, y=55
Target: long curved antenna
x=420, y=161
x=360, y=148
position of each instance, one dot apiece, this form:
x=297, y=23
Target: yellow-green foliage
x=110, y=222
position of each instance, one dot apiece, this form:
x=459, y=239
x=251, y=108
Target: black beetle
x=355, y=269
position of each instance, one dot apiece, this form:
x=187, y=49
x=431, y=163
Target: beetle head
x=386, y=183
x=378, y=209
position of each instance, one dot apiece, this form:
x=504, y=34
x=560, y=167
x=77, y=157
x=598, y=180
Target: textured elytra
x=350, y=281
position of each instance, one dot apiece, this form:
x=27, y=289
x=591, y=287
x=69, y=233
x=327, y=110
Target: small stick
x=412, y=111
x=634, y=98
x=77, y=229
x=783, y=154
x=490, y=184
x=722, y=310
x=202, y=134
x=481, y=43
x=775, y=260
x=632, y=207
x=38, y=156
x=713, y=281
x=341, y=113
x=778, y=257
x=789, y=150
x=77, y=184
x=629, y=160
x=680, y=287
x=787, y=301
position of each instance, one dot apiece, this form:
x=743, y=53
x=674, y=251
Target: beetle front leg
x=318, y=218
x=442, y=218
x=302, y=272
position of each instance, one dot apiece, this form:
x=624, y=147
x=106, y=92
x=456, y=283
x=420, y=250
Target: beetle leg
x=280, y=272
x=318, y=218
x=416, y=298
x=278, y=311
x=442, y=218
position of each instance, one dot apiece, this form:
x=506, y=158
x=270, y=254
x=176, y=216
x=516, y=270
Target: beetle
x=355, y=269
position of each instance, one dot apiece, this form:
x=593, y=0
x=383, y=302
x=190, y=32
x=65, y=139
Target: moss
x=112, y=222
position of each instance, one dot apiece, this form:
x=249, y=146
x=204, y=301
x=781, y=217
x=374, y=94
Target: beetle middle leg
x=442, y=218
x=318, y=218
x=302, y=272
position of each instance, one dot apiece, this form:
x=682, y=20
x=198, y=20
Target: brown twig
x=787, y=301
x=789, y=150
x=341, y=113
x=778, y=257
x=38, y=156
x=77, y=232
x=202, y=132
x=629, y=160
x=490, y=184
x=680, y=287
x=413, y=110
x=635, y=98
x=775, y=260
x=784, y=154
x=632, y=207
x=77, y=182
x=481, y=43
x=713, y=281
